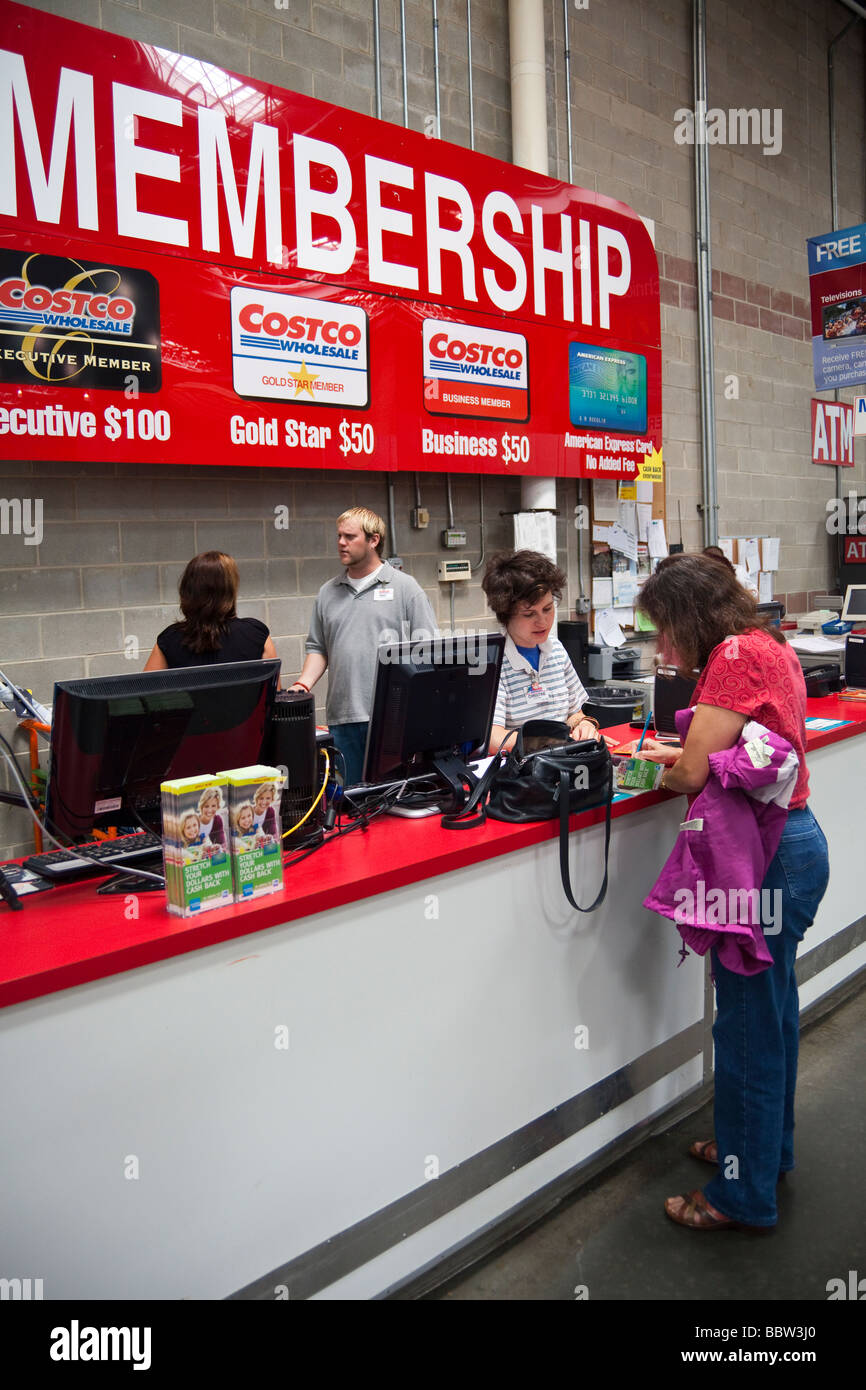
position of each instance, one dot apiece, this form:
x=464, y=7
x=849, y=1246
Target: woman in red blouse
x=706, y=620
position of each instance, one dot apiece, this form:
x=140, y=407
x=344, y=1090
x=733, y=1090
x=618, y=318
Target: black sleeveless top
x=244, y=640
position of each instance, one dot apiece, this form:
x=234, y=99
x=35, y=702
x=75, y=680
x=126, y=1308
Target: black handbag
x=557, y=779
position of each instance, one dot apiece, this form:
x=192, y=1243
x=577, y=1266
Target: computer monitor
x=114, y=739
x=671, y=693
x=433, y=707
x=854, y=607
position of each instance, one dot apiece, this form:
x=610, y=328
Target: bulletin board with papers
x=628, y=534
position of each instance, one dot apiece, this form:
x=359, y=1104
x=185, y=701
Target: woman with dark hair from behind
x=707, y=620
x=211, y=631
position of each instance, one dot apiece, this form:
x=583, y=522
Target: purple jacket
x=711, y=883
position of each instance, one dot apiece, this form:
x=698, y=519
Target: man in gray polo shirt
x=368, y=604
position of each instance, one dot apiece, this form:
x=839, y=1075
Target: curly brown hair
x=696, y=603
x=513, y=577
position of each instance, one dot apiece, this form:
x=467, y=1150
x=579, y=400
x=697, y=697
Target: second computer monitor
x=433, y=699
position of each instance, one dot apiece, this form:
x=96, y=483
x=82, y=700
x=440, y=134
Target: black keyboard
x=68, y=866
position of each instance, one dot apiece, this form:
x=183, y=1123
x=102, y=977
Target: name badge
x=383, y=592
x=536, y=689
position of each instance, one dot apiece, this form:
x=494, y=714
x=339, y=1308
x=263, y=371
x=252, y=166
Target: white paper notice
x=726, y=545
x=628, y=516
x=601, y=533
x=765, y=586
x=624, y=591
x=658, y=546
x=608, y=629
x=770, y=553
x=644, y=517
x=604, y=503
x=624, y=616
x=623, y=541
x=536, y=531
x=602, y=593
x=644, y=492
x=750, y=555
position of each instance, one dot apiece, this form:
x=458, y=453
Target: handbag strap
x=564, y=871
x=465, y=819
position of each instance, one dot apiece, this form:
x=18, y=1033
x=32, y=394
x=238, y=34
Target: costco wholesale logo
x=475, y=371
x=68, y=322
x=290, y=347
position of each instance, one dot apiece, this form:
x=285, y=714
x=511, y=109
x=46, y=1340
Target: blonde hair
x=206, y=796
x=189, y=815
x=265, y=787
x=236, y=815
x=369, y=522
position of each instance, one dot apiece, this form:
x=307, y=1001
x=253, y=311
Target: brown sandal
x=708, y=1151
x=698, y=1215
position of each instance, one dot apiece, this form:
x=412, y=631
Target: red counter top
x=71, y=935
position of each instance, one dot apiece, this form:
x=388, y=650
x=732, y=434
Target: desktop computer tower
x=855, y=661
x=290, y=743
x=574, y=636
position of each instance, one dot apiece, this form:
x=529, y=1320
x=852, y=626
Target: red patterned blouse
x=757, y=676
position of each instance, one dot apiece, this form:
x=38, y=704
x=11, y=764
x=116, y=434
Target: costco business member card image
x=475, y=371
x=66, y=322
x=290, y=347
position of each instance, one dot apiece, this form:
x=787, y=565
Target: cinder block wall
x=631, y=73
x=117, y=536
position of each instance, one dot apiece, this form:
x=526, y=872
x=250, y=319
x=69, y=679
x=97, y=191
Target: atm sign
x=855, y=550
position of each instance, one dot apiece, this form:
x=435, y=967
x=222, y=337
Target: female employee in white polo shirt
x=538, y=680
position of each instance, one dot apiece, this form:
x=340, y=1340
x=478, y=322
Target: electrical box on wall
x=451, y=571
x=452, y=538
x=420, y=518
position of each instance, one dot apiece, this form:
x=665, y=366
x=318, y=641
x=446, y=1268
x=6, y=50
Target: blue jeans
x=351, y=741
x=756, y=1036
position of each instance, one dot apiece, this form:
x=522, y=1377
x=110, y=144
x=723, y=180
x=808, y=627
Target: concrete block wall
x=117, y=537
x=631, y=74
x=90, y=600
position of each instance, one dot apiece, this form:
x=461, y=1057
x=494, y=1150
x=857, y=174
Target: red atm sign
x=832, y=433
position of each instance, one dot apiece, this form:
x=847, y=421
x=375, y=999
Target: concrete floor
x=614, y=1238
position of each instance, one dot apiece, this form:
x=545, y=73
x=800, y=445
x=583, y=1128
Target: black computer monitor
x=433, y=707
x=114, y=739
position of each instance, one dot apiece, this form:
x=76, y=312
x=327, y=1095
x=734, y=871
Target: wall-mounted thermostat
x=451, y=571
x=453, y=538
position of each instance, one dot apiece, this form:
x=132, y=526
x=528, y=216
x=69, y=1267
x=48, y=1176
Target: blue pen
x=645, y=727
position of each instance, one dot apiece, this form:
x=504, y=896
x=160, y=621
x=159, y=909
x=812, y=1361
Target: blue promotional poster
x=837, y=284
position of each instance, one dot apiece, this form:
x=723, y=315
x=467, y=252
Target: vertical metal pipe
x=450, y=501
x=834, y=186
x=377, y=58
x=705, y=281
x=436, y=70
x=392, y=521
x=403, y=53
x=469, y=63
x=567, y=84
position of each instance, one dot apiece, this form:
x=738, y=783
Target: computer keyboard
x=68, y=866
